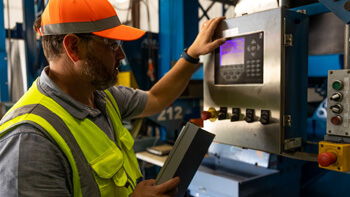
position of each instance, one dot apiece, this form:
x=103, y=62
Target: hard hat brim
x=121, y=32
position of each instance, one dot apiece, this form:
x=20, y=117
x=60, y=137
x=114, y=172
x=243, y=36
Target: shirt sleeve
x=131, y=102
x=32, y=165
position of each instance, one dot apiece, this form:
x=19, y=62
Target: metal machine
x=255, y=84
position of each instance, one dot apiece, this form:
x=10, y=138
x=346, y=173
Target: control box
x=255, y=84
x=338, y=101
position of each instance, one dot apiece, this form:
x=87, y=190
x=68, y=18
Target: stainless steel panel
x=342, y=129
x=284, y=75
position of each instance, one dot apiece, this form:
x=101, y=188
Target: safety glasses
x=114, y=44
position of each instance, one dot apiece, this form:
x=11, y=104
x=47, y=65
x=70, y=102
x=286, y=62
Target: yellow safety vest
x=100, y=167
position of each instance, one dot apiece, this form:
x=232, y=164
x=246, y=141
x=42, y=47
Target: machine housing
x=257, y=81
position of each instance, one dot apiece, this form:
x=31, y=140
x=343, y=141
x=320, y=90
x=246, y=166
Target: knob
x=338, y=108
x=250, y=114
x=265, y=116
x=327, y=158
x=236, y=113
x=336, y=120
x=337, y=85
x=222, y=113
x=336, y=97
x=205, y=115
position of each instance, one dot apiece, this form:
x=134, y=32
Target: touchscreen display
x=232, y=52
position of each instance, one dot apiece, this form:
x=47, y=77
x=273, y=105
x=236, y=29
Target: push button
x=326, y=159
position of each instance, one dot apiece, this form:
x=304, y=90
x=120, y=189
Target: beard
x=97, y=73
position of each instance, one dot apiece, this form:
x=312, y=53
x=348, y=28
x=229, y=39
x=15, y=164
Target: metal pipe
x=282, y=3
x=346, y=46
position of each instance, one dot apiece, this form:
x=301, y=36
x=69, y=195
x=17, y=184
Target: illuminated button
x=336, y=120
x=337, y=108
x=337, y=97
x=337, y=85
x=327, y=158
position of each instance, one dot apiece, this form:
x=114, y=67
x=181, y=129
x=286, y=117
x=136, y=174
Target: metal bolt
x=329, y=131
x=347, y=6
x=321, y=145
x=331, y=72
x=339, y=148
x=338, y=168
x=348, y=71
x=346, y=133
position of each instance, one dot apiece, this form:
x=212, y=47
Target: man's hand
x=203, y=43
x=148, y=189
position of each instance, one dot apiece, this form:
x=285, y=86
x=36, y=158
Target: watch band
x=189, y=58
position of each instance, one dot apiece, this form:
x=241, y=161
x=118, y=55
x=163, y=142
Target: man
x=64, y=137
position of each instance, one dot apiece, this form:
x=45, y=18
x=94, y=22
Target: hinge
x=287, y=120
x=288, y=40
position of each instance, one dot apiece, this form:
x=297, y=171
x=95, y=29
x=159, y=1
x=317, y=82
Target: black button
x=236, y=112
x=250, y=115
x=222, y=113
x=265, y=116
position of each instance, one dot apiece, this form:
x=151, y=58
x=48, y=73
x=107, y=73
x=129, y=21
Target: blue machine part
x=317, y=124
x=341, y=8
x=320, y=64
x=173, y=117
x=312, y=9
x=178, y=27
x=4, y=89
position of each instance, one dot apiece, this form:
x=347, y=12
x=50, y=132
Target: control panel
x=334, y=152
x=338, y=101
x=255, y=85
x=240, y=60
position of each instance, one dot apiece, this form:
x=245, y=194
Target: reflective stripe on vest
x=109, y=163
x=84, y=183
x=80, y=27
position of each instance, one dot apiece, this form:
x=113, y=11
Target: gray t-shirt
x=32, y=164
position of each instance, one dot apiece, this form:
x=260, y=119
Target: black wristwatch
x=189, y=58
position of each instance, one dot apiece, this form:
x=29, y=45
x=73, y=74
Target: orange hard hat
x=85, y=16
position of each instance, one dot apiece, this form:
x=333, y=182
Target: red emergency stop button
x=205, y=115
x=327, y=158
